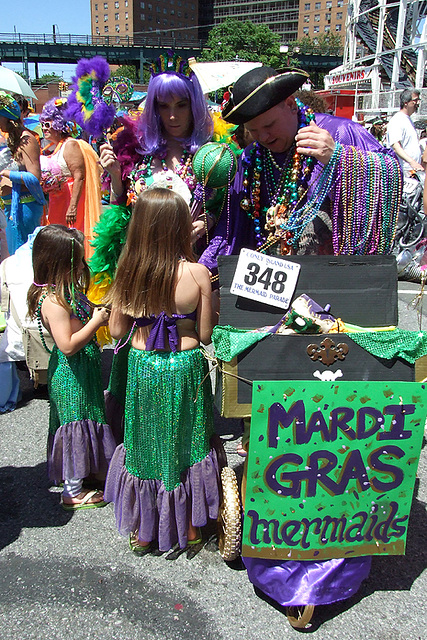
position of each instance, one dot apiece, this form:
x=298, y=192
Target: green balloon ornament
x=214, y=165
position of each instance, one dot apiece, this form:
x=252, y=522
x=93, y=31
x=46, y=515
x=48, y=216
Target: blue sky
x=68, y=16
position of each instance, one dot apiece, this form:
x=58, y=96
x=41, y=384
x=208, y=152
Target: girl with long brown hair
x=80, y=443
x=164, y=479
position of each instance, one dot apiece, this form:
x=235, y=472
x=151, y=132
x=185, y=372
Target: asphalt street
x=72, y=576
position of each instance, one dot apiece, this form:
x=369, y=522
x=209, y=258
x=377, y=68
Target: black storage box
x=361, y=290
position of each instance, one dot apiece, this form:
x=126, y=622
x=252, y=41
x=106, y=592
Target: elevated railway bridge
x=119, y=50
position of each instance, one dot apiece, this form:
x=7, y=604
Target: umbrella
x=33, y=124
x=215, y=75
x=13, y=83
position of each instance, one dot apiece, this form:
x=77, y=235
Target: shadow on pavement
x=26, y=502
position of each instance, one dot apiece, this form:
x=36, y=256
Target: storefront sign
x=331, y=468
x=349, y=77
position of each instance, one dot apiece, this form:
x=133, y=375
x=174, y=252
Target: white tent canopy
x=215, y=75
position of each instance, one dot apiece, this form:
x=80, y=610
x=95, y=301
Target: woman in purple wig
x=160, y=147
x=70, y=175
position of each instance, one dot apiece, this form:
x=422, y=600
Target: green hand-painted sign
x=331, y=468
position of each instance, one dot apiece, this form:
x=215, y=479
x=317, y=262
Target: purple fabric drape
x=156, y=514
x=78, y=449
x=293, y=582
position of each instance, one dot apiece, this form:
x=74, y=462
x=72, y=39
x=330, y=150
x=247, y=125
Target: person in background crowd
x=401, y=133
x=20, y=174
x=70, y=175
x=378, y=129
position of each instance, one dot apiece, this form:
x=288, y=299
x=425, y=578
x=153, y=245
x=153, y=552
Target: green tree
x=326, y=44
x=127, y=71
x=48, y=77
x=246, y=41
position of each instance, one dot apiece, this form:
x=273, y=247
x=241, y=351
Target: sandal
x=84, y=503
x=197, y=540
x=192, y=548
x=135, y=546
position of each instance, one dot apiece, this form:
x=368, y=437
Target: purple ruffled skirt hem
x=292, y=582
x=147, y=507
x=78, y=449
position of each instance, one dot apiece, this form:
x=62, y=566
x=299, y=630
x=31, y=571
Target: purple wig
x=54, y=112
x=163, y=87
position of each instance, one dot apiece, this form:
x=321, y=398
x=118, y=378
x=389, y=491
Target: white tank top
x=59, y=157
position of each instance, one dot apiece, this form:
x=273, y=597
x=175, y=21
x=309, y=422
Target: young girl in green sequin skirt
x=164, y=478
x=80, y=443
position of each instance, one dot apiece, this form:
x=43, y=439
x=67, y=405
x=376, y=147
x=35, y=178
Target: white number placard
x=268, y=279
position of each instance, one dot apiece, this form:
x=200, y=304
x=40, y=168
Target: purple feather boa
x=102, y=116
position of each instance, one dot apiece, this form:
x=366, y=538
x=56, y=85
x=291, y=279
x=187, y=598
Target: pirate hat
x=259, y=90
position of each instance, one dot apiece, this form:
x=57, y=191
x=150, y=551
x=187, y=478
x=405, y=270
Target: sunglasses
x=45, y=125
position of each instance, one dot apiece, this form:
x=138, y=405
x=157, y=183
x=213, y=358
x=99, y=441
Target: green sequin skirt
x=80, y=442
x=168, y=414
x=165, y=474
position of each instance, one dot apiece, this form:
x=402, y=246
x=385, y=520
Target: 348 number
x=275, y=279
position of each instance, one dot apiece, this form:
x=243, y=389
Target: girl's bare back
x=192, y=293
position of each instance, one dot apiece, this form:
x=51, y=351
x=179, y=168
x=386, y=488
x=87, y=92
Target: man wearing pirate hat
x=310, y=183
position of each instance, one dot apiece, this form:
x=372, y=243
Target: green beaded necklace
x=284, y=194
x=40, y=324
x=78, y=308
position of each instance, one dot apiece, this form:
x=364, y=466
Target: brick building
x=318, y=17
x=290, y=19
x=137, y=19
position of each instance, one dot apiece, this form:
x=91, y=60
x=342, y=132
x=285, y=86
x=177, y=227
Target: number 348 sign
x=268, y=279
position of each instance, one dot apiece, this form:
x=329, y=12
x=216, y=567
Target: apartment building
x=291, y=19
x=318, y=17
x=139, y=19
x=281, y=16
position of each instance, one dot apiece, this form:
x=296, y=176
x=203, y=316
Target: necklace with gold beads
x=284, y=194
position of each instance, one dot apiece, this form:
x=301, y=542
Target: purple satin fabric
x=163, y=325
x=293, y=582
x=145, y=505
x=235, y=230
x=79, y=449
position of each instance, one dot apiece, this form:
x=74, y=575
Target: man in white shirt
x=402, y=135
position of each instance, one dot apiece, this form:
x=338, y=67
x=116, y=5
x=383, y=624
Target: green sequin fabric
x=408, y=345
x=229, y=341
x=168, y=414
x=399, y=343
x=75, y=387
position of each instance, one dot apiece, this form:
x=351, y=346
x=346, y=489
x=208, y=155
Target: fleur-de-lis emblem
x=327, y=351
